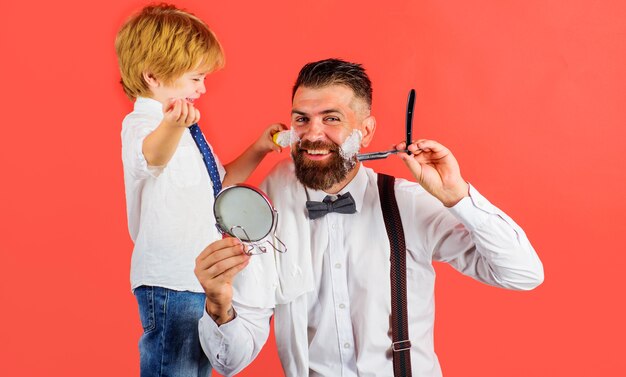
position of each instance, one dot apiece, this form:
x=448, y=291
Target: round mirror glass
x=244, y=212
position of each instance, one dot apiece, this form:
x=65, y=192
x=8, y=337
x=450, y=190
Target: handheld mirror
x=244, y=212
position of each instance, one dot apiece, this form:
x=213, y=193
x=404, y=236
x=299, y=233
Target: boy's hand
x=216, y=268
x=160, y=145
x=240, y=169
x=181, y=113
x=265, y=144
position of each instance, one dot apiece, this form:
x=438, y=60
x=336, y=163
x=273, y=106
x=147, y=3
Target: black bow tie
x=343, y=204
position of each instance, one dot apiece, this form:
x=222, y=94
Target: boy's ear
x=369, y=126
x=152, y=81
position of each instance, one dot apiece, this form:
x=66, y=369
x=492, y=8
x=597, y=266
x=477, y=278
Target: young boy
x=164, y=56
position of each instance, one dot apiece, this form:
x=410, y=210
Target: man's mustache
x=309, y=145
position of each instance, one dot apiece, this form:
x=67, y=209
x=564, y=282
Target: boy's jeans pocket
x=145, y=301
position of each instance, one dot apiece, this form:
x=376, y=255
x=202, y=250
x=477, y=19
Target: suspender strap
x=401, y=346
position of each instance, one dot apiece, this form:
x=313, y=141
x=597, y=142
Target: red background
x=528, y=95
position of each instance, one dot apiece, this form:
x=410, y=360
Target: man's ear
x=369, y=126
x=152, y=81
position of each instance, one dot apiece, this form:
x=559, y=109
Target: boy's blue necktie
x=207, y=156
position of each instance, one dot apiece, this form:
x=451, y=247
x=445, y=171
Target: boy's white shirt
x=169, y=208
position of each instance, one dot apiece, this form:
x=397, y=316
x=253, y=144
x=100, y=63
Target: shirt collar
x=149, y=105
x=356, y=187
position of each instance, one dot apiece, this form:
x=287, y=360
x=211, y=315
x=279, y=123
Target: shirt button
x=334, y=226
x=346, y=345
x=337, y=265
x=342, y=306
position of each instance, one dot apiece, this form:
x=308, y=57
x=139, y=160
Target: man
x=330, y=292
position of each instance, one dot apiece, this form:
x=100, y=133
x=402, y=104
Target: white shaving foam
x=351, y=146
x=286, y=138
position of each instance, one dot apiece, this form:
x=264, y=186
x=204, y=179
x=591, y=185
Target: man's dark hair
x=336, y=72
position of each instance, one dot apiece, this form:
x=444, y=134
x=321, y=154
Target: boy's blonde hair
x=166, y=42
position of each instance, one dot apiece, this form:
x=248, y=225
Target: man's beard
x=321, y=175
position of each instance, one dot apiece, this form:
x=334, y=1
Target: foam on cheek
x=285, y=138
x=293, y=137
x=351, y=146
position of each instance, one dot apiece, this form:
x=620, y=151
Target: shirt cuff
x=213, y=337
x=473, y=210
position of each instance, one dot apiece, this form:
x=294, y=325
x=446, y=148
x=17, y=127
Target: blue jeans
x=170, y=345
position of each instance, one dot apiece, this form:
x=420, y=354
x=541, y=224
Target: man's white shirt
x=331, y=291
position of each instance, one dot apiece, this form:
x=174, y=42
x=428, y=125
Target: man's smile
x=316, y=151
x=316, y=154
